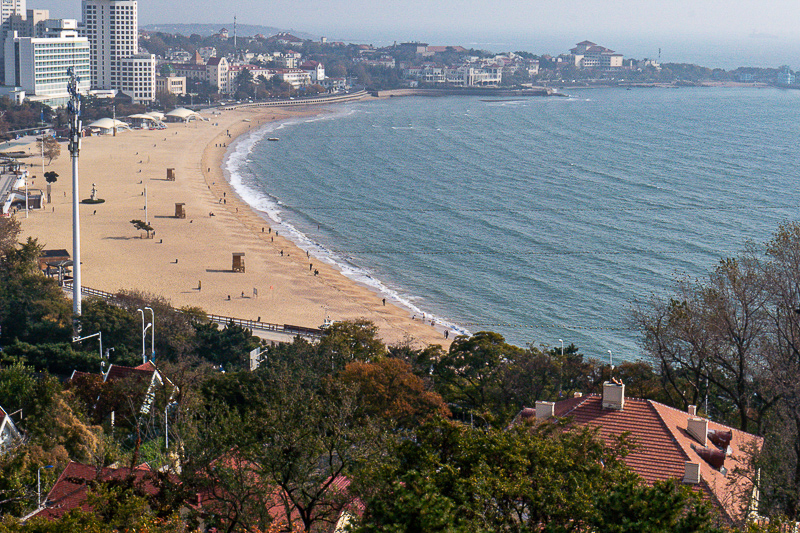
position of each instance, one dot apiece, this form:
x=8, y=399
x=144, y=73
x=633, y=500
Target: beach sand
x=189, y=260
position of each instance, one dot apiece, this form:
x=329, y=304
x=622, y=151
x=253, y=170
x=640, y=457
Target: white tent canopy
x=181, y=113
x=143, y=116
x=108, y=124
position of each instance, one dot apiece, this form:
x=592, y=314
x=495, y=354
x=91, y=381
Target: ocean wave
x=236, y=170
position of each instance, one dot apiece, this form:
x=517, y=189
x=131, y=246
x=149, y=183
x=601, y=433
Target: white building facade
x=111, y=27
x=137, y=77
x=40, y=66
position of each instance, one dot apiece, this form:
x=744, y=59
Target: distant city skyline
x=758, y=33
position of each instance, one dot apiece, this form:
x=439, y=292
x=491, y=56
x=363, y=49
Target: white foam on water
x=234, y=167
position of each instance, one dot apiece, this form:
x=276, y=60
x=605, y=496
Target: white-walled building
x=111, y=27
x=137, y=77
x=294, y=76
x=39, y=65
x=171, y=84
x=315, y=69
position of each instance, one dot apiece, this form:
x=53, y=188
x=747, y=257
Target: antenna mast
x=74, y=109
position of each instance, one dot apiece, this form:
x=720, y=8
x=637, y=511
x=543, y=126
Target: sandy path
x=115, y=257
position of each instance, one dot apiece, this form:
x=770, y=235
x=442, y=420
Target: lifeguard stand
x=180, y=211
x=238, y=261
x=170, y=174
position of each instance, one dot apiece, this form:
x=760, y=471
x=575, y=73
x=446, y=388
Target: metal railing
x=287, y=329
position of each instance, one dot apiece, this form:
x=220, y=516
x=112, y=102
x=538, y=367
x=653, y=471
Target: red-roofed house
x=71, y=487
x=8, y=431
x=669, y=444
x=315, y=69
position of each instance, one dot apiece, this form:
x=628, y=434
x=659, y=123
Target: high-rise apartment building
x=9, y=9
x=112, y=29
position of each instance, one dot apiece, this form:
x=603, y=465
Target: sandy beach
x=189, y=260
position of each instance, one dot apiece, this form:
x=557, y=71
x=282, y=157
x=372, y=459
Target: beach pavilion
x=145, y=120
x=181, y=114
x=107, y=125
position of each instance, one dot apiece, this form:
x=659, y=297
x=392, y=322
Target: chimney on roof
x=545, y=410
x=698, y=428
x=691, y=473
x=613, y=395
x=692, y=410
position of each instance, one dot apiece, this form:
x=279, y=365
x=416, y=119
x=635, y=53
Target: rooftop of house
x=143, y=371
x=70, y=490
x=668, y=443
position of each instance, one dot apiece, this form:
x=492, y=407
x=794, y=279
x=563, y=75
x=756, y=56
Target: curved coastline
x=234, y=163
x=189, y=259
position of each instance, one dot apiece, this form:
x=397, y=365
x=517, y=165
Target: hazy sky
x=633, y=27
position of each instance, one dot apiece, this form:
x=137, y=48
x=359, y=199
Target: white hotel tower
x=112, y=29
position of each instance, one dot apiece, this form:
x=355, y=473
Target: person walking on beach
x=384, y=302
x=199, y=285
x=446, y=334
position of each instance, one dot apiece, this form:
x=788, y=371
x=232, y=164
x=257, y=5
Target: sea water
x=538, y=218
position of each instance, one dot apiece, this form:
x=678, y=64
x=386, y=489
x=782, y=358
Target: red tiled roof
x=70, y=489
x=662, y=445
x=144, y=372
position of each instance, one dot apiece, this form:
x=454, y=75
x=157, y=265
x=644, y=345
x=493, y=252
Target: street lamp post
x=152, y=334
x=39, y=483
x=144, y=336
x=166, y=423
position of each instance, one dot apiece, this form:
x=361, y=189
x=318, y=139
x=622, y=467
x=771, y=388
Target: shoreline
x=189, y=260
x=316, y=250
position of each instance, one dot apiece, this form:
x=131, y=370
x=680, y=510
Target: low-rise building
x=171, y=84
x=315, y=69
x=294, y=76
x=587, y=54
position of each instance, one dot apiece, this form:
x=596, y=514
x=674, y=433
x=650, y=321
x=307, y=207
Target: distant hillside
x=244, y=30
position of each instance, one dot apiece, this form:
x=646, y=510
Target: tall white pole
x=152, y=335
x=144, y=355
x=74, y=150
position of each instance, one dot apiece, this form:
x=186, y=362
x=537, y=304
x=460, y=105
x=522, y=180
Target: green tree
x=33, y=308
x=142, y=226
x=470, y=375
x=229, y=346
x=450, y=477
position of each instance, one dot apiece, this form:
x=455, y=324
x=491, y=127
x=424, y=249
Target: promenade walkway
x=265, y=330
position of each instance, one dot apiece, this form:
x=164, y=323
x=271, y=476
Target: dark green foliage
x=32, y=307
x=666, y=507
x=121, y=330
x=451, y=477
x=57, y=358
x=229, y=347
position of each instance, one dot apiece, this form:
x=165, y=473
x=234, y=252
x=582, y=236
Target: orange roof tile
x=662, y=445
